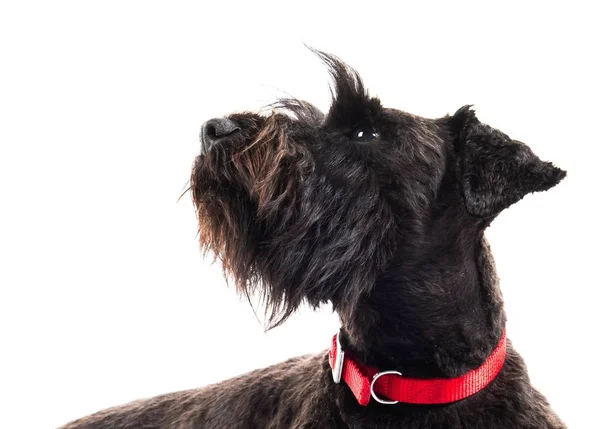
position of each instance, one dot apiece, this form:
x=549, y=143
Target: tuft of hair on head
x=299, y=110
x=347, y=84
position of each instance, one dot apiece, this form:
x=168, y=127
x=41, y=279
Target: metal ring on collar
x=377, y=398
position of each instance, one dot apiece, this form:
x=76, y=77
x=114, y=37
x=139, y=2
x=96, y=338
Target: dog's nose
x=215, y=130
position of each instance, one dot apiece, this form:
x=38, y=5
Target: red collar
x=365, y=381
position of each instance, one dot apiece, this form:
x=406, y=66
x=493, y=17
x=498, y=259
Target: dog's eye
x=364, y=134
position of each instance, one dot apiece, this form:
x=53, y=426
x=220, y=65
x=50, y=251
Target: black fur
x=389, y=231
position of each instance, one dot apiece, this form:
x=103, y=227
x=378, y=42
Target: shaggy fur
x=381, y=213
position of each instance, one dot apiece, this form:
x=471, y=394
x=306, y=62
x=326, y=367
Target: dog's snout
x=215, y=130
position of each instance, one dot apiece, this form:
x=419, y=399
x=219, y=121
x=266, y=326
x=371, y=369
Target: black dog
x=381, y=213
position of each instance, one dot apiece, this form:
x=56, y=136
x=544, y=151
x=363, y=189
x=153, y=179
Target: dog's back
x=288, y=394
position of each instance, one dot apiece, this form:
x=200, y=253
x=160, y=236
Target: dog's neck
x=437, y=311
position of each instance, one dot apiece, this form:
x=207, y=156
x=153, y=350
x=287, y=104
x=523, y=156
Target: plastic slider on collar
x=338, y=364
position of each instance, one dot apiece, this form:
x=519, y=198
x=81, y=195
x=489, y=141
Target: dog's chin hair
x=227, y=220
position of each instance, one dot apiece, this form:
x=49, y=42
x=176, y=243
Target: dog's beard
x=245, y=195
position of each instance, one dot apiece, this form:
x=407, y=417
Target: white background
x=104, y=295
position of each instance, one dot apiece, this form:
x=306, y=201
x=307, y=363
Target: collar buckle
x=338, y=365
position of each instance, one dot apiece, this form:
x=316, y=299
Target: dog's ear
x=494, y=171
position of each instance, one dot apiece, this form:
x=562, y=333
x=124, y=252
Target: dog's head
x=304, y=206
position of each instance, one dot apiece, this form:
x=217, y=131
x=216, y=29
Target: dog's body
x=382, y=214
